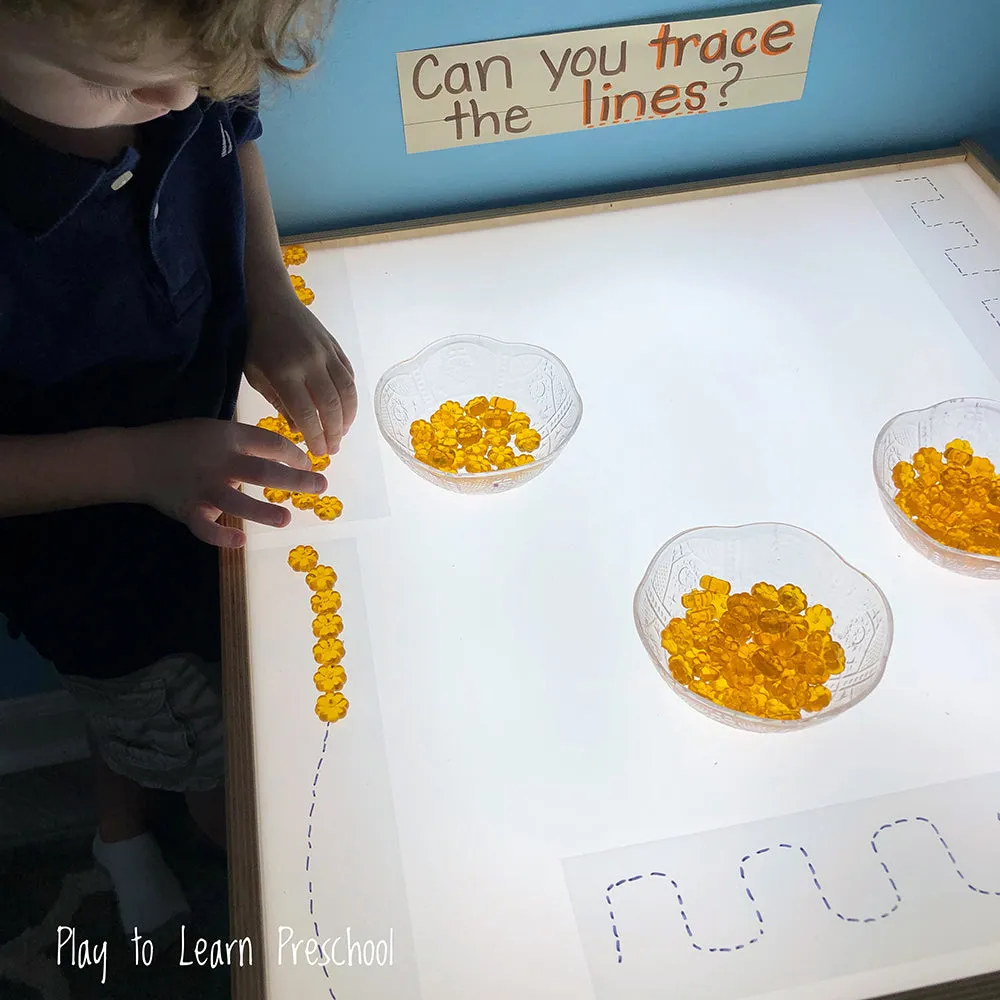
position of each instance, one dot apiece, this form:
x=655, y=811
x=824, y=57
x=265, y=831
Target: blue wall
x=885, y=76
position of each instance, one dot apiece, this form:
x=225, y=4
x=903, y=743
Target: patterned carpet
x=53, y=882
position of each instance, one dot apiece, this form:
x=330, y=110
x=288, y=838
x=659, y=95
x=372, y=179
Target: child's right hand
x=190, y=470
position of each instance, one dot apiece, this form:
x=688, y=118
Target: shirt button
x=121, y=180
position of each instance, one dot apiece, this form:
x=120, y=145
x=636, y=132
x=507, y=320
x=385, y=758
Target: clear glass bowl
x=459, y=368
x=778, y=554
x=974, y=420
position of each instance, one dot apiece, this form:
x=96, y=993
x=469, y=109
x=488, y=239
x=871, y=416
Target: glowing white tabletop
x=509, y=743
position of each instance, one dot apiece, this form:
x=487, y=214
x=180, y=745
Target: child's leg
x=207, y=806
x=208, y=810
x=160, y=727
x=120, y=802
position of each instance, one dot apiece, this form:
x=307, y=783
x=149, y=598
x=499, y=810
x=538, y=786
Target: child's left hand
x=297, y=366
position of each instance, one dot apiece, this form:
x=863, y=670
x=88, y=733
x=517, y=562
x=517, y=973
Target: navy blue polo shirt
x=122, y=303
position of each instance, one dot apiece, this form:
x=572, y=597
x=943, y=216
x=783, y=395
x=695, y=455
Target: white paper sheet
x=732, y=913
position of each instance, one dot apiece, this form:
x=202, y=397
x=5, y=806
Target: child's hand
x=294, y=363
x=189, y=470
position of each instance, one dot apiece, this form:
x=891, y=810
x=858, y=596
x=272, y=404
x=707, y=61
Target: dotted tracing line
x=938, y=197
x=987, y=305
x=759, y=930
x=309, y=848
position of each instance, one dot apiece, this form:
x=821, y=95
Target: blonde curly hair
x=231, y=44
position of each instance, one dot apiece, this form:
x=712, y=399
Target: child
x=140, y=276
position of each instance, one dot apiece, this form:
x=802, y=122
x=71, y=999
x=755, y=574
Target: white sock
x=149, y=895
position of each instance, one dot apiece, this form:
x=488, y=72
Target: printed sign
x=463, y=95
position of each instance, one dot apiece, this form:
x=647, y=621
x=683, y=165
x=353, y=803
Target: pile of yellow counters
x=324, y=507
x=766, y=653
x=328, y=652
x=952, y=497
x=476, y=437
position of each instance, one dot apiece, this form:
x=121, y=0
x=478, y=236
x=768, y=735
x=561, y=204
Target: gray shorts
x=161, y=726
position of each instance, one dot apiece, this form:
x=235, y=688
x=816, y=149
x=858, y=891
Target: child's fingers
x=268, y=444
x=264, y=472
x=204, y=525
x=345, y=409
x=267, y=391
x=250, y=509
x=331, y=411
x=302, y=412
x=343, y=358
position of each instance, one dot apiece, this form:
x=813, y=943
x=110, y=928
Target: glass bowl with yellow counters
x=936, y=471
x=476, y=415
x=763, y=627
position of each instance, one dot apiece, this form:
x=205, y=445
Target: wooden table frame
x=245, y=888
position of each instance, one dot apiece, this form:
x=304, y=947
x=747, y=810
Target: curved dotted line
x=309, y=848
x=974, y=245
x=815, y=879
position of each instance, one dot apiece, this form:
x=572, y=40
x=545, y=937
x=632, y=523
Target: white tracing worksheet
x=516, y=804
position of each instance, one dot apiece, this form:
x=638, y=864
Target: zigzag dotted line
x=815, y=879
x=987, y=307
x=975, y=244
x=309, y=847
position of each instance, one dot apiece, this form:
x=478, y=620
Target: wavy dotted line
x=309, y=848
x=815, y=879
x=973, y=245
